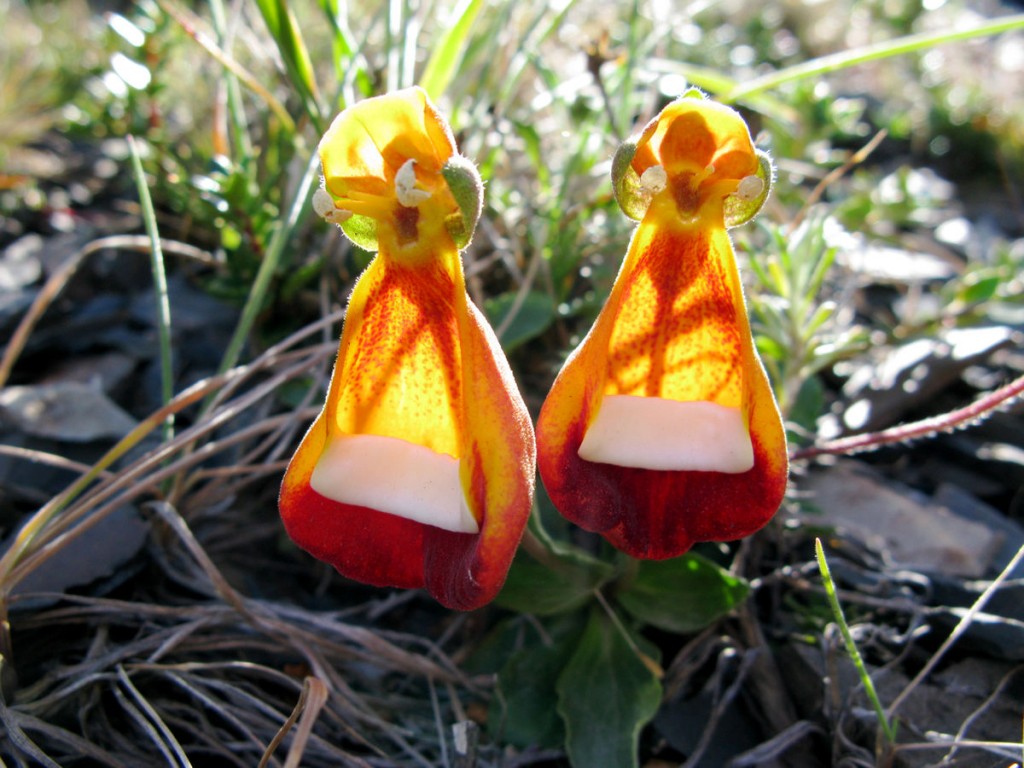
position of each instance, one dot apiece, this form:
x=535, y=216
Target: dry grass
x=187, y=666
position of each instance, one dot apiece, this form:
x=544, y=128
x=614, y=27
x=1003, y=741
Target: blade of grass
x=961, y=627
x=851, y=646
x=312, y=699
x=269, y=265
x=395, y=27
x=280, y=20
x=447, y=54
x=190, y=25
x=163, y=305
x=349, y=63
x=410, y=44
x=163, y=735
x=845, y=59
x=625, y=98
x=42, y=519
x=231, y=85
x=527, y=52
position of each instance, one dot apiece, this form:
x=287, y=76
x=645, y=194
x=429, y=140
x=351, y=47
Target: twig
x=958, y=630
x=971, y=719
x=521, y=294
x=835, y=174
x=597, y=55
x=52, y=459
x=311, y=701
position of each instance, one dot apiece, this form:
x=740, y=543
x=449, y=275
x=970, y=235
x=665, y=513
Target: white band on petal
x=656, y=433
x=396, y=477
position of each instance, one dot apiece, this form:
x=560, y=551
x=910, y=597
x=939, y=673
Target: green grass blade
x=410, y=45
x=268, y=267
x=350, y=65
x=283, y=28
x=233, y=89
x=625, y=100
x=189, y=23
x=845, y=59
x=537, y=33
x=163, y=305
x=395, y=27
x=851, y=646
x=447, y=55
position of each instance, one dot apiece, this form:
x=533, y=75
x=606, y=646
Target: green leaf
x=684, y=594
x=444, y=61
x=977, y=290
x=560, y=548
x=532, y=317
x=535, y=588
x=769, y=347
x=809, y=404
x=524, y=710
x=496, y=647
x=557, y=578
x=606, y=693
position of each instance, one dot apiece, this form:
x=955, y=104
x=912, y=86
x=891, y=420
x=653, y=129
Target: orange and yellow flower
x=419, y=471
x=661, y=430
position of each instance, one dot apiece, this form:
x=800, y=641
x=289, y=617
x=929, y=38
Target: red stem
x=946, y=422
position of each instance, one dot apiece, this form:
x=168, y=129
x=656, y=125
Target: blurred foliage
x=794, y=313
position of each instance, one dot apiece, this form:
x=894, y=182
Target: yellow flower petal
x=419, y=471
x=661, y=428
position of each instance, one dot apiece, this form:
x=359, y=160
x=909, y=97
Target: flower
x=419, y=471
x=661, y=430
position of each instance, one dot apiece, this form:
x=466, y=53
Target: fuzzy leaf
x=606, y=693
x=533, y=316
x=542, y=591
x=684, y=594
x=524, y=712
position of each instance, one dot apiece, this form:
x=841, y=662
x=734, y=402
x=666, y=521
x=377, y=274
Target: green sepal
x=738, y=211
x=361, y=230
x=626, y=181
x=463, y=180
